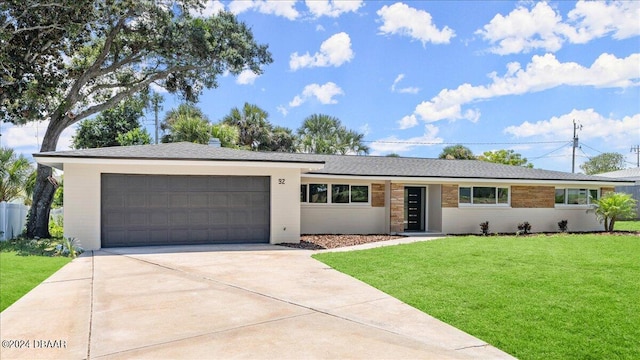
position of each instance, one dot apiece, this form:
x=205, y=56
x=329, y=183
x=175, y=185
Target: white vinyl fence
x=13, y=218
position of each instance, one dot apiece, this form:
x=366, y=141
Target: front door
x=414, y=208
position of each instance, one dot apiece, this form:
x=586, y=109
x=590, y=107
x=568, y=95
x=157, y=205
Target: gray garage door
x=141, y=210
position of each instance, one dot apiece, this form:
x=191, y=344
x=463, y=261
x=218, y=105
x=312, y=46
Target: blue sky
x=416, y=76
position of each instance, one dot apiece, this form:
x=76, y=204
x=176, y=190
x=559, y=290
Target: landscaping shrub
x=524, y=228
x=484, y=226
x=562, y=225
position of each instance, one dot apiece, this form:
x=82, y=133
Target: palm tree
x=324, y=134
x=457, y=152
x=185, y=110
x=192, y=129
x=14, y=172
x=253, y=127
x=228, y=135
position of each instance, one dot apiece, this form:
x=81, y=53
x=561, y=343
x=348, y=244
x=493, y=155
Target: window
x=571, y=196
x=359, y=194
x=483, y=195
x=318, y=193
x=340, y=193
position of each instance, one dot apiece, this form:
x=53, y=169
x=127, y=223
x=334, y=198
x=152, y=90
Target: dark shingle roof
x=177, y=151
x=333, y=164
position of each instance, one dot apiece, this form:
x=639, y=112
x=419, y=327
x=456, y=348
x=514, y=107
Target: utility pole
x=636, y=149
x=576, y=127
x=156, y=100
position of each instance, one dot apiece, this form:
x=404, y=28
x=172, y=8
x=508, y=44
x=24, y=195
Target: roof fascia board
x=53, y=160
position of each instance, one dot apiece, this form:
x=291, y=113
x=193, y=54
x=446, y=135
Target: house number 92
x=281, y=181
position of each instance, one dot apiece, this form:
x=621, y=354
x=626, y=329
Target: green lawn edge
x=20, y=274
x=535, y=297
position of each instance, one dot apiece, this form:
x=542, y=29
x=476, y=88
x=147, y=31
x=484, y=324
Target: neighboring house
x=632, y=175
x=184, y=193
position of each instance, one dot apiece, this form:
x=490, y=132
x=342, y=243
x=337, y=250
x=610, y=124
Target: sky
x=416, y=76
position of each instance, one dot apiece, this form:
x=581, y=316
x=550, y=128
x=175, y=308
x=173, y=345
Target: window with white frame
x=483, y=195
x=334, y=193
x=575, y=196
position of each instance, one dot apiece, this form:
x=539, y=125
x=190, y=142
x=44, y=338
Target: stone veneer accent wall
x=377, y=195
x=397, y=208
x=533, y=196
x=605, y=190
x=449, y=196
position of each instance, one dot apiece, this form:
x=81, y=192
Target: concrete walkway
x=223, y=301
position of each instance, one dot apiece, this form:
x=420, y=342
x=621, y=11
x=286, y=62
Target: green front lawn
x=20, y=274
x=535, y=297
x=633, y=225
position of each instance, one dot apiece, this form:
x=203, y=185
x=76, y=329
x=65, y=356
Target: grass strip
x=20, y=274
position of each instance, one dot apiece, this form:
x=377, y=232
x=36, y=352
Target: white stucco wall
x=342, y=219
x=505, y=219
x=82, y=194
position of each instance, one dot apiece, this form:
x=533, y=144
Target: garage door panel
x=142, y=210
x=199, y=200
x=114, y=201
x=114, y=219
x=159, y=200
x=179, y=218
x=259, y=200
x=198, y=183
x=136, y=199
x=240, y=200
x=179, y=200
x=158, y=183
x=138, y=219
x=218, y=217
x=159, y=236
x=218, y=183
x=199, y=217
x=159, y=218
x=219, y=200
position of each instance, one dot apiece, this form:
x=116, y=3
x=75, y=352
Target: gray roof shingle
x=334, y=164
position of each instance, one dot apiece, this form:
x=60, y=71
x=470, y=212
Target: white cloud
x=393, y=144
x=211, y=7
x=284, y=8
x=334, y=51
x=594, y=126
x=332, y=8
x=406, y=90
x=407, y=122
x=247, y=77
x=542, y=27
x=595, y=19
x=323, y=93
x=542, y=73
x=282, y=110
x=26, y=139
x=320, y=28
x=401, y=19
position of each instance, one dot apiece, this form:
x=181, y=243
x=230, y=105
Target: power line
x=462, y=143
x=552, y=151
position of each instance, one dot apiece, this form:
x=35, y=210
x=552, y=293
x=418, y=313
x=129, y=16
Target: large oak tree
x=65, y=60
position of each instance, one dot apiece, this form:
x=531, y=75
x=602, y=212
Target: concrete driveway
x=223, y=301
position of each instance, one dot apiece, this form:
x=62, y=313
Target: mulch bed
x=326, y=241
x=320, y=242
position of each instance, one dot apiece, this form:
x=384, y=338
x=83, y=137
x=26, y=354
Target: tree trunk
x=45, y=187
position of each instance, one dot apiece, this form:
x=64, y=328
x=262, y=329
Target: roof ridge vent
x=214, y=142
